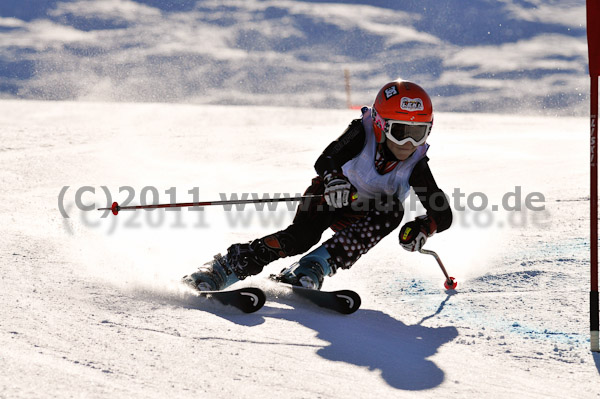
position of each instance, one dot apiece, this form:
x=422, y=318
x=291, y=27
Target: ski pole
x=450, y=283
x=115, y=208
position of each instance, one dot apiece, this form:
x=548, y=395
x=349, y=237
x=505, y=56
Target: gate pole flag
x=593, y=36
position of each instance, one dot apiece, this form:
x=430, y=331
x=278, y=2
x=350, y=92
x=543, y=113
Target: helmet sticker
x=411, y=104
x=390, y=92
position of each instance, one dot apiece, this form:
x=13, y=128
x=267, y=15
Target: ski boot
x=241, y=261
x=215, y=275
x=309, y=271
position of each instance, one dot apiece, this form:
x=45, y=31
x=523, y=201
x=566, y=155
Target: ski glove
x=413, y=235
x=337, y=190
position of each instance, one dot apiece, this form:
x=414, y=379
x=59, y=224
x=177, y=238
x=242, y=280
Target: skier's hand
x=413, y=235
x=337, y=190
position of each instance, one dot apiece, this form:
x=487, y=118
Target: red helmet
x=403, y=113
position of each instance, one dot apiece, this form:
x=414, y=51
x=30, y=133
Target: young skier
x=363, y=178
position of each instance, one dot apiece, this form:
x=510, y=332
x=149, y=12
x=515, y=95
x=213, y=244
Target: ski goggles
x=402, y=132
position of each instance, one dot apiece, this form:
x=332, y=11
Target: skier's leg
x=359, y=230
x=312, y=218
x=312, y=268
x=247, y=259
x=346, y=246
x=240, y=261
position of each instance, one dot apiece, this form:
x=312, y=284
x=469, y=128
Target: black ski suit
x=357, y=227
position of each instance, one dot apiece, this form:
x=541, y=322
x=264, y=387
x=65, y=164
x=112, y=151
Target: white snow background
x=92, y=305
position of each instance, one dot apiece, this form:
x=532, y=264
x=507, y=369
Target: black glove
x=337, y=190
x=413, y=235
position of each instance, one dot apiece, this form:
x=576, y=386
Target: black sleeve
x=346, y=147
x=433, y=199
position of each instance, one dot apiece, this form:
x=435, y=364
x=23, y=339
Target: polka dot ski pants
x=357, y=228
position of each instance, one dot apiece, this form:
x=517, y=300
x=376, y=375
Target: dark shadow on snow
x=367, y=338
x=189, y=300
x=596, y=357
x=440, y=308
x=230, y=313
x=373, y=339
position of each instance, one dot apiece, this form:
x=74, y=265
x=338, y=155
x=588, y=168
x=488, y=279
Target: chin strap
x=385, y=161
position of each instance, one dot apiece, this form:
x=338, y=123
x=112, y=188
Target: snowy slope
x=90, y=306
x=481, y=55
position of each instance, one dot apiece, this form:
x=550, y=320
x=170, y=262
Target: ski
x=247, y=299
x=342, y=301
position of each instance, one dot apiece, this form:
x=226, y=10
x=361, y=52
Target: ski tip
x=248, y=299
x=349, y=301
x=254, y=299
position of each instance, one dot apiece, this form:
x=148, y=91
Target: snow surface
x=91, y=305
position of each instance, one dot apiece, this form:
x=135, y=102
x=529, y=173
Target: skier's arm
x=346, y=147
x=431, y=196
